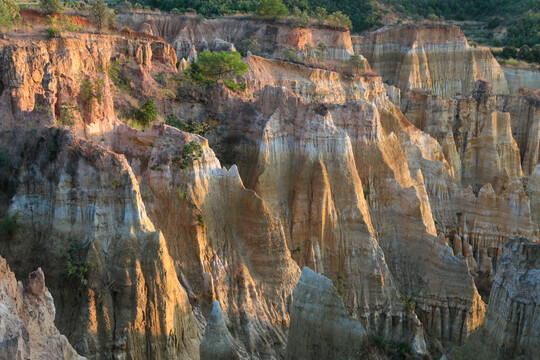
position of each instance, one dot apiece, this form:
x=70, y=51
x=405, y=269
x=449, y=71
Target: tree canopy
x=9, y=13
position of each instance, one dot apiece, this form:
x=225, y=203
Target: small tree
x=147, y=113
x=321, y=15
x=9, y=13
x=51, y=6
x=213, y=66
x=339, y=20
x=252, y=45
x=356, y=64
x=273, y=9
x=101, y=14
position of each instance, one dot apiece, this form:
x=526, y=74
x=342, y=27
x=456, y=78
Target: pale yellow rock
x=433, y=58
x=27, y=329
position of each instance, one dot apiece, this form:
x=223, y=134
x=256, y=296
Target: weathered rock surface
x=74, y=191
x=320, y=325
x=513, y=316
x=27, y=329
x=221, y=34
x=430, y=58
x=217, y=342
x=521, y=78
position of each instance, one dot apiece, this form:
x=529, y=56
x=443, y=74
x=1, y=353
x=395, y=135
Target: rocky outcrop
x=217, y=342
x=223, y=33
x=79, y=199
x=320, y=325
x=521, y=78
x=513, y=316
x=430, y=58
x=27, y=329
x=63, y=81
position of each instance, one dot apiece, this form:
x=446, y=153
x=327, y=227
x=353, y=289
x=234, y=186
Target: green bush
x=67, y=113
x=53, y=32
x=300, y=19
x=289, y=54
x=76, y=267
x=213, y=66
x=92, y=90
x=51, y=6
x=252, y=45
x=101, y=14
x=525, y=30
x=409, y=303
x=147, y=113
x=9, y=14
x=200, y=220
x=273, y=9
x=9, y=225
x=189, y=126
x=339, y=20
x=190, y=153
x=117, y=77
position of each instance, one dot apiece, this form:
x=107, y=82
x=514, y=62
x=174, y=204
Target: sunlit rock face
x=306, y=168
x=513, y=319
x=76, y=197
x=189, y=33
x=27, y=329
x=433, y=58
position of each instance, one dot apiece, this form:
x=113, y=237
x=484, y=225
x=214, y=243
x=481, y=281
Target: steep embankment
x=27, y=329
x=323, y=170
x=430, y=58
x=188, y=33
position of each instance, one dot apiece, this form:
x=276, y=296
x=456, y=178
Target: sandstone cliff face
x=222, y=237
x=133, y=304
x=43, y=81
x=513, y=318
x=27, y=329
x=185, y=33
x=491, y=144
x=430, y=58
x=521, y=78
x=320, y=325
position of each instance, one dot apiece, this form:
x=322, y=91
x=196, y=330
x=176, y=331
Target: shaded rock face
x=521, y=78
x=75, y=192
x=513, y=317
x=320, y=325
x=27, y=329
x=217, y=342
x=491, y=143
x=429, y=58
x=224, y=33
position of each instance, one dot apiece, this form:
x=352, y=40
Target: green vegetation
x=8, y=183
x=340, y=285
x=525, y=31
x=189, y=126
x=356, y=65
x=117, y=76
x=76, y=267
x=92, y=90
x=213, y=66
x=101, y=14
x=53, y=31
x=67, y=113
x=51, y=6
x=289, y=54
x=191, y=152
x=200, y=220
x=272, y=9
x=115, y=184
x=147, y=113
x=252, y=45
x=181, y=193
x=298, y=250
x=409, y=303
x=9, y=14
x=9, y=225
x=392, y=350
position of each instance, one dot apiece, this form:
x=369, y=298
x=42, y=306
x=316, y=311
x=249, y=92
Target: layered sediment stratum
x=433, y=58
x=186, y=236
